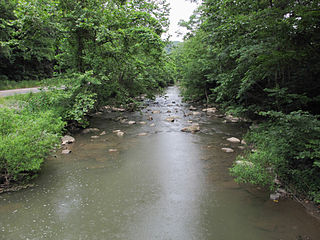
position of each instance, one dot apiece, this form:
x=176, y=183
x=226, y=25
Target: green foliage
x=26, y=138
x=256, y=55
x=287, y=148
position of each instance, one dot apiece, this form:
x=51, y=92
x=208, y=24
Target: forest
x=253, y=59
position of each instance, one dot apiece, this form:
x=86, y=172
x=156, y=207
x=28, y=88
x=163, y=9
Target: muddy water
x=164, y=185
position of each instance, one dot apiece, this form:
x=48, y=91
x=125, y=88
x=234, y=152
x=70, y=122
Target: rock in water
x=90, y=130
x=112, y=150
x=131, y=122
x=94, y=137
x=67, y=139
x=193, y=128
x=142, y=134
x=227, y=150
x=120, y=134
x=103, y=133
x=233, y=140
x=66, y=151
x=275, y=197
x=170, y=119
x=192, y=108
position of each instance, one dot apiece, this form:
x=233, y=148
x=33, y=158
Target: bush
x=26, y=138
x=287, y=147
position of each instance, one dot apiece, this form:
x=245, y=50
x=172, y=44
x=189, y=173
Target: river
x=164, y=185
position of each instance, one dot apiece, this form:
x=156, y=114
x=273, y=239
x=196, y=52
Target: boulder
x=243, y=142
x=227, y=150
x=67, y=139
x=156, y=112
x=103, y=133
x=152, y=125
x=66, y=151
x=196, y=113
x=193, y=128
x=95, y=137
x=192, y=108
x=112, y=150
x=90, y=130
x=131, y=122
x=233, y=140
x=142, y=123
x=150, y=118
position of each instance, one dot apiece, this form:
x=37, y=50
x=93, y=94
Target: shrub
x=26, y=138
x=287, y=148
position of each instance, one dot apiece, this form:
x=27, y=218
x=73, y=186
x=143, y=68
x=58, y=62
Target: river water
x=164, y=185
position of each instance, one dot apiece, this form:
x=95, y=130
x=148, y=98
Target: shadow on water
x=166, y=184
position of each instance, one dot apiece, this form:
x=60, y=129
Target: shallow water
x=165, y=185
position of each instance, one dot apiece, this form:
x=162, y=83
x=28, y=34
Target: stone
x=95, y=137
x=115, y=109
x=230, y=118
x=152, y=125
x=192, y=108
x=170, y=119
x=227, y=150
x=142, y=123
x=233, y=140
x=131, y=122
x=193, y=128
x=90, y=130
x=196, y=113
x=244, y=163
x=103, y=133
x=156, y=112
x=243, y=142
x=241, y=147
x=275, y=197
x=67, y=139
x=112, y=150
x=116, y=131
x=209, y=110
x=283, y=193
x=66, y=151
x=150, y=118
x=142, y=134
x=120, y=134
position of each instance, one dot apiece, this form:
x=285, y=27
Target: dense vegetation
x=261, y=59
x=99, y=51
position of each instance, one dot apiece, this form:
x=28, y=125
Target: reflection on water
x=166, y=185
